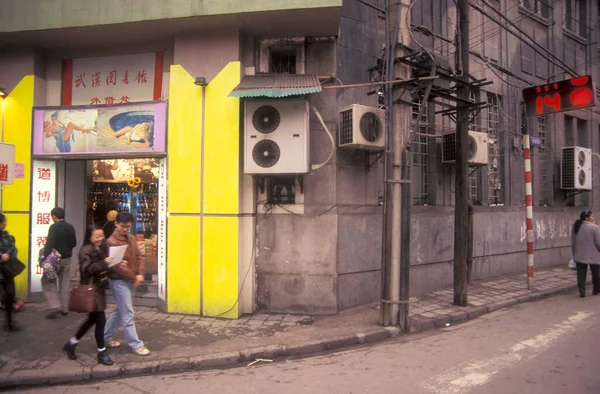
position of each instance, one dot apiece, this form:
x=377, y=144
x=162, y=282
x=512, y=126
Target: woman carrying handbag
x=93, y=265
x=8, y=252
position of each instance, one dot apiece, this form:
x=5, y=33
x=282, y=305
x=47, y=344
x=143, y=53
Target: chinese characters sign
x=67, y=131
x=43, y=195
x=112, y=80
x=162, y=228
x=7, y=163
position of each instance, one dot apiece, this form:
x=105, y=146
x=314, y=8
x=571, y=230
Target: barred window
x=475, y=174
x=538, y=7
x=420, y=154
x=496, y=163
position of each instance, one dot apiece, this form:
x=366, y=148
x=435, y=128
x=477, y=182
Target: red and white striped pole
x=529, y=209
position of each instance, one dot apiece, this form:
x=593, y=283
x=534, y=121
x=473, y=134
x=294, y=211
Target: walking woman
x=7, y=251
x=93, y=266
x=585, y=244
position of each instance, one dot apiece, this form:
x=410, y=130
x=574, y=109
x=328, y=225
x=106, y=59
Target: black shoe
x=595, y=292
x=69, y=348
x=582, y=295
x=53, y=315
x=11, y=327
x=104, y=359
x=64, y=313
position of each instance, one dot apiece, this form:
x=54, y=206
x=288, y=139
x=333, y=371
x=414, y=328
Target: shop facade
x=180, y=179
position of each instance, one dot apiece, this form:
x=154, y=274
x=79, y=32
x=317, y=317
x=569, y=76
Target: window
x=491, y=31
x=575, y=17
x=495, y=139
x=527, y=58
x=474, y=175
x=281, y=190
x=420, y=154
x=282, y=59
x=538, y=7
x=569, y=135
x=544, y=160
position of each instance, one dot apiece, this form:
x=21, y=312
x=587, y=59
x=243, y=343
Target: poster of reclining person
x=99, y=130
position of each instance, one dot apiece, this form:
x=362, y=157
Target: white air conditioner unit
x=276, y=137
x=576, y=168
x=478, y=148
x=362, y=128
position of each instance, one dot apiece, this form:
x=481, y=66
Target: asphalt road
x=549, y=346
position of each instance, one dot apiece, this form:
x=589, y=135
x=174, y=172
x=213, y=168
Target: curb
x=220, y=360
x=420, y=324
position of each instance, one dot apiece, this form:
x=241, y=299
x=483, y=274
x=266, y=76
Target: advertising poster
x=138, y=128
x=43, y=194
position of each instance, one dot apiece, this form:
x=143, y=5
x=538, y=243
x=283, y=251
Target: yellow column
x=221, y=200
x=18, y=107
x=184, y=149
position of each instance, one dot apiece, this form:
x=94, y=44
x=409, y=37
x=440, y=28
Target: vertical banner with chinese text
x=162, y=227
x=113, y=79
x=7, y=163
x=43, y=200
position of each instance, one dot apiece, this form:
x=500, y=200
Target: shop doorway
x=128, y=185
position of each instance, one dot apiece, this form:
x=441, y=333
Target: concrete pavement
x=33, y=356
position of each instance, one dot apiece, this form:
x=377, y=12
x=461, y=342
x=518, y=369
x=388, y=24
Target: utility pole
x=399, y=127
x=461, y=203
x=528, y=200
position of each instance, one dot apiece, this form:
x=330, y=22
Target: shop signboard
x=110, y=80
x=43, y=194
x=162, y=228
x=7, y=163
x=100, y=131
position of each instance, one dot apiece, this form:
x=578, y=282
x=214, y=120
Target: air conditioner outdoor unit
x=478, y=148
x=276, y=137
x=361, y=128
x=576, y=168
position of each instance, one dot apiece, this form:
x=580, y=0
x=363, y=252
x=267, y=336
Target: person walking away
x=61, y=236
x=585, y=245
x=93, y=265
x=123, y=279
x=7, y=251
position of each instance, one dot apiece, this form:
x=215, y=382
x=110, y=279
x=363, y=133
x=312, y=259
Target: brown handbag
x=83, y=299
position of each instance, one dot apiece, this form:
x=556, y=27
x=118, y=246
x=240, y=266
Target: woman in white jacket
x=585, y=245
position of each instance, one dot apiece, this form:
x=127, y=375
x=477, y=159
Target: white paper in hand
x=117, y=253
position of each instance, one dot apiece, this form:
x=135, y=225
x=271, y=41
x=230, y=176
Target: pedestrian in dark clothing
x=7, y=251
x=93, y=265
x=61, y=236
x=585, y=245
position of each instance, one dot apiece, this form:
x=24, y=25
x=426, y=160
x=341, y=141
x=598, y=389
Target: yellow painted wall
x=183, y=264
x=220, y=261
x=18, y=107
x=183, y=201
x=222, y=143
x=184, y=142
x=220, y=255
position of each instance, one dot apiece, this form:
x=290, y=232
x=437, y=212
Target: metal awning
x=276, y=85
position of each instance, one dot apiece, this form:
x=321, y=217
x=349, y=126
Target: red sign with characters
x=567, y=95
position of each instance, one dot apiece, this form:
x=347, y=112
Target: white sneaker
x=141, y=351
x=112, y=344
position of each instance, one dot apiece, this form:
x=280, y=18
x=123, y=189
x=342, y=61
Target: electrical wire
x=318, y=114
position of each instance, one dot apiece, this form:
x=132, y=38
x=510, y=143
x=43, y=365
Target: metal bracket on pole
x=394, y=302
x=398, y=181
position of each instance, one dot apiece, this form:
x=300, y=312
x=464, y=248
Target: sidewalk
x=34, y=355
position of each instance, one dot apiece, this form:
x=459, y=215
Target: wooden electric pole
x=394, y=308
x=461, y=203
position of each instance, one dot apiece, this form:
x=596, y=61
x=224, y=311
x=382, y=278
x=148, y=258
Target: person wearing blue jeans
x=123, y=279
